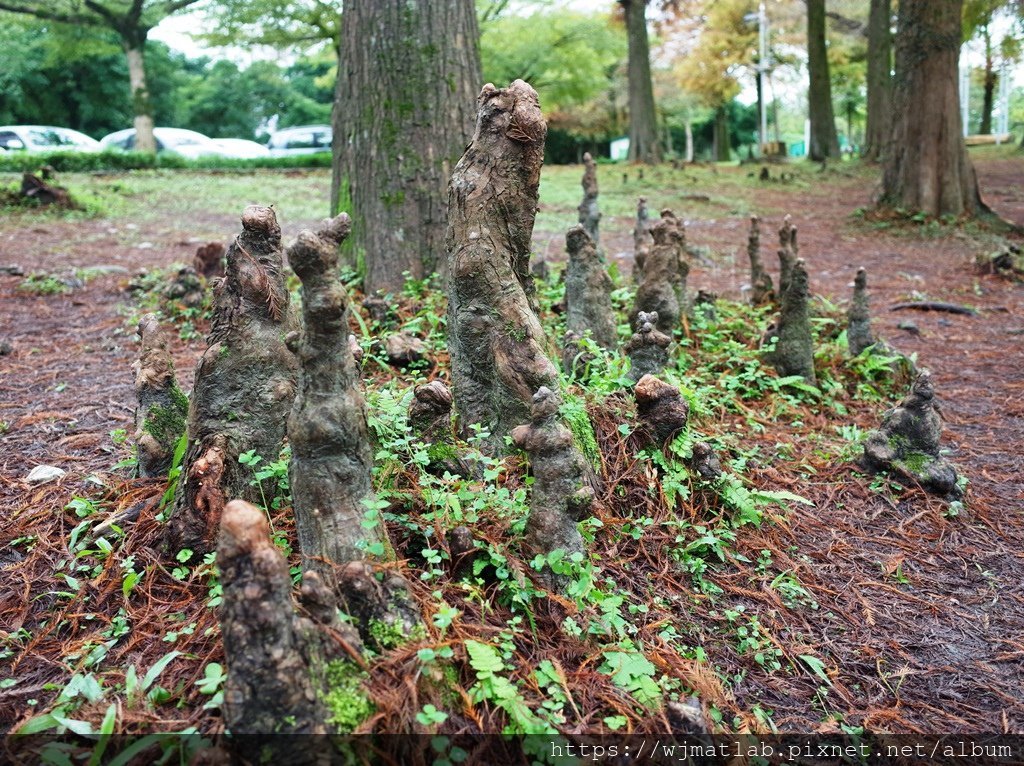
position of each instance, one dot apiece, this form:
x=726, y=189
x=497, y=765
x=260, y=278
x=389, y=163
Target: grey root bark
x=277, y=656
x=641, y=238
x=663, y=288
x=648, y=348
x=824, y=142
x=589, y=212
x=661, y=409
x=762, y=292
x=244, y=385
x=906, y=445
x=161, y=407
x=879, y=80
x=403, y=112
x=643, y=127
x=588, y=289
x=495, y=339
x=794, y=349
x=927, y=168
x=332, y=457
x=858, y=318
x=561, y=494
x=788, y=251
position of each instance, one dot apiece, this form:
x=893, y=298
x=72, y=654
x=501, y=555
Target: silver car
x=46, y=138
x=306, y=139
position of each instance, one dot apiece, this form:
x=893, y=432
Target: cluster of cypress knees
x=271, y=373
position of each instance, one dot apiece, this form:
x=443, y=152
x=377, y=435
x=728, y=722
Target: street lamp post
x=762, y=24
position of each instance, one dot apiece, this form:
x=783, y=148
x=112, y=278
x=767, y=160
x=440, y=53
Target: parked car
x=46, y=138
x=187, y=143
x=307, y=139
x=240, y=148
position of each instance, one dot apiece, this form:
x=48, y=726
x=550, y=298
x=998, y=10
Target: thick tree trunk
x=403, y=114
x=989, y=87
x=879, y=80
x=927, y=168
x=643, y=129
x=722, y=149
x=331, y=454
x=142, y=107
x=244, y=386
x=495, y=340
x=824, y=142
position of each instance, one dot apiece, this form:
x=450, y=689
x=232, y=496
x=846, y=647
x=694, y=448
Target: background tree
x=643, y=126
x=131, y=20
x=927, y=168
x=404, y=111
x=879, y=79
x=824, y=142
x=981, y=20
x=282, y=24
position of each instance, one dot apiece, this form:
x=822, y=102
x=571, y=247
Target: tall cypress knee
x=589, y=212
x=588, y=289
x=161, y=406
x=794, y=350
x=244, y=385
x=495, y=339
x=761, y=290
x=331, y=452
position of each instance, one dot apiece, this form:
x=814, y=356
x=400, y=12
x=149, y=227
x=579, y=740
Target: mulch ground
x=920, y=616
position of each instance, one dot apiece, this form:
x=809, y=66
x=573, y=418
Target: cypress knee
x=589, y=212
x=664, y=275
x=761, y=290
x=858, y=327
x=787, y=253
x=794, y=349
x=588, y=290
x=244, y=385
x=495, y=339
x=161, y=406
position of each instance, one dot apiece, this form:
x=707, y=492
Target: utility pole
x=762, y=73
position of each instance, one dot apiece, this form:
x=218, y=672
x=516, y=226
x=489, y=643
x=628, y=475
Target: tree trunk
x=244, y=386
x=723, y=152
x=142, y=107
x=824, y=142
x=879, y=80
x=643, y=131
x=689, y=141
x=404, y=109
x=496, y=342
x=985, y=128
x=927, y=168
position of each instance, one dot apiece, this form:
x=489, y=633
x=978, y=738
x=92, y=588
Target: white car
x=307, y=139
x=240, y=148
x=46, y=138
x=187, y=143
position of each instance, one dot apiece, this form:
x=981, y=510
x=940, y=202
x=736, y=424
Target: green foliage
x=83, y=162
x=493, y=687
x=344, y=695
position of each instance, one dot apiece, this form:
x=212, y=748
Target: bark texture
x=244, y=384
x=331, y=453
x=561, y=494
x=927, y=168
x=647, y=348
x=879, y=81
x=664, y=277
x=403, y=113
x=643, y=126
x=495, y=340
x=589, y=212
x=907, y=443
x=762, y=292
x=588, y=289
x=824, y=142
x=662, y=410
x=161, y=407
x=788, y=251
x=858, y=318
x=641, y=238
x=794, y=350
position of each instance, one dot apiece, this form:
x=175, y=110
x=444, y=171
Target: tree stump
x=906, y=445
x=588, y=288
x=794, y=349
x=664, y=275
x=244, y=385
x=561, y=494
x=36, y=188
x=641, y=239
x=332, y=457
x=495, y=339
x=762, y=292
x=161, y=407
x=647, y=349
x=589, y=212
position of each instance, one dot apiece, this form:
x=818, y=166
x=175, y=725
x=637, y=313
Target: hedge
x=84, y=162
